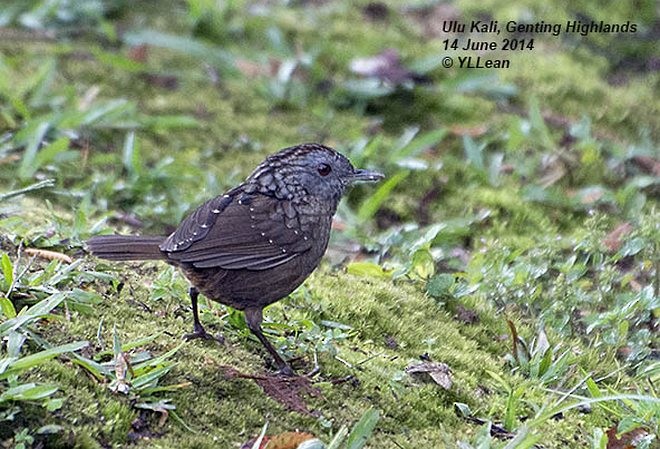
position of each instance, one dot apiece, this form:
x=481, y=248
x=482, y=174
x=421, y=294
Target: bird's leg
x=198, y=329
x=253, y=316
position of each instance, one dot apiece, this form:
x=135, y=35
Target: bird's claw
x=200, y=333
x=286, y=371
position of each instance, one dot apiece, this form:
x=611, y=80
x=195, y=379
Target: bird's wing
x=197, y=225
x=238, y=231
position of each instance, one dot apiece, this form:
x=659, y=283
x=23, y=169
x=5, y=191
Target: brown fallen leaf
x=289, y=440
x=48, y=255
x=167, y=82
x=252, y=69
x=385, y=66
x=628, y=440
x=470, y=131
x=10, y=159
x=142, y=428
x=623, y=352
x=288, y=391
x=139, y=53
x=648, y=164
x=285, y=440
x=438, y=372
x=466, y=315
x=613, y=240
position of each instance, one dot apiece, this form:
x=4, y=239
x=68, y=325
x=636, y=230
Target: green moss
x=220, y=409
x=117, y=418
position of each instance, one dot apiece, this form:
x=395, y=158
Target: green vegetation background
x=516, y=238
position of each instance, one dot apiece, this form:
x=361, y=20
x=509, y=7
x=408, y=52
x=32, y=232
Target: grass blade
x=339, y=437
x=187, y=45
x=33, y=360
x=260, y=438
x=125, y=347
x=27, y=392
x=28, y=166
x=31, y=188
x=369, y=208
x=146, y=379
x=363, y=429
x=8, y=275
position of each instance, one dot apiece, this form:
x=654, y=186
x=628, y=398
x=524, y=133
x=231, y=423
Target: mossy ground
x=587, y=130
x=223, y=411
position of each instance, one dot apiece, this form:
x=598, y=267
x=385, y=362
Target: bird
x=256, y=243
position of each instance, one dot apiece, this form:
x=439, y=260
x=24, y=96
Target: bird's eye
x=324, y=169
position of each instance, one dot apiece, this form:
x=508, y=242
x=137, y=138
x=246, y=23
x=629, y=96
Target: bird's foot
x=286, y=371
x=200, y=332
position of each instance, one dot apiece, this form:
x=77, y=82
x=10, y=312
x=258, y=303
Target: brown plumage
x=258, y=242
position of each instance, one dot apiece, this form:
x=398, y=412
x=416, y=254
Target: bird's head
x=311, y=169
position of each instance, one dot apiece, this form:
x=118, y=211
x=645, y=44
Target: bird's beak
x=361, y=175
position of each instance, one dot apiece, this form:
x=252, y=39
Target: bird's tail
x=126, y=247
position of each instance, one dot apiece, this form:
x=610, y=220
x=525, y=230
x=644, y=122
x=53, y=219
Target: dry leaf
x=648, y=164
x=471, y=131
x=288, y=391
x=466, y=315
x=168, y=82
x=48, y=255
x=88, y=98
x=438, y=372
x=139, y=53
x=553, y=169
x=628, y=440
x=385, y=66
x=285, y=440
x=288, y=440
x=252, y=69
x=612, y=241
x=122, y=366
